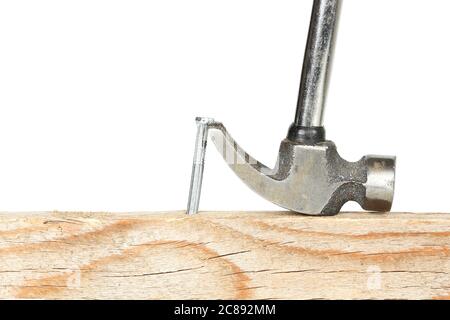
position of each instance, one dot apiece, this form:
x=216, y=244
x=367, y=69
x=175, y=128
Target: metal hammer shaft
x=317, y=63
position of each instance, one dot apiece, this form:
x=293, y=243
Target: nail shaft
x=198, y=165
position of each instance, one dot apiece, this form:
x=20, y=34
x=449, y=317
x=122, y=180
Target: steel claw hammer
x=309, y=177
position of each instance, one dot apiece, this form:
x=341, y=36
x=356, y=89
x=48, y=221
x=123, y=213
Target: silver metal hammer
x=310, y=177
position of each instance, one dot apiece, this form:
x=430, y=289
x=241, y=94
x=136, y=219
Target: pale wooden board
x=224, y=256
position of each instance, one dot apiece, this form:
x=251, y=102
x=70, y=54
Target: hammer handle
x=317, y=63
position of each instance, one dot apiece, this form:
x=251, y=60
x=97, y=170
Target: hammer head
x=312, y=179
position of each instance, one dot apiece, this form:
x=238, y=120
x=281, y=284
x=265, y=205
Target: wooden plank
x=224, y=256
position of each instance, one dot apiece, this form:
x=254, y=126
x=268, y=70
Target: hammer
x=309, y=177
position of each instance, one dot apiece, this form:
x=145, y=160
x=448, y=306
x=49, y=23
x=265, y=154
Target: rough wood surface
x=224, y=256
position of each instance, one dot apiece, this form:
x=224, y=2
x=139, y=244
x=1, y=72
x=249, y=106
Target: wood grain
x=276, y=255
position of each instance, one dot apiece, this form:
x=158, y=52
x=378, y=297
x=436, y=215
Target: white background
x=98, y=98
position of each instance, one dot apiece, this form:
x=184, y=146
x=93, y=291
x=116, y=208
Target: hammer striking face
x=310, y=177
